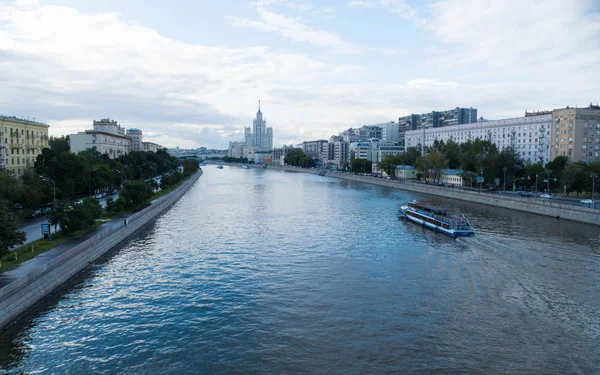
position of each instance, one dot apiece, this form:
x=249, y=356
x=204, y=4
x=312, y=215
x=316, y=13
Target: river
x=271, y=272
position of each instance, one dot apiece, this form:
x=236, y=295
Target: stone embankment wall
x=22, y=294
x=531, y=205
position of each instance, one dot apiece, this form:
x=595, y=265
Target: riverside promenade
x=531, y=205
x=34, y=280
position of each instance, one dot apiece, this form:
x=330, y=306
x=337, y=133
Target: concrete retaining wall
x=531, y=205
x=22, y=294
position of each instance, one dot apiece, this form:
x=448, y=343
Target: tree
x=295, y=158
x=75, y=217
x=361, y=166
x=136, y=193
x=389, y=163
x=575, y=177
x=9, y=233
x=435, y=162
x=411, y=155
x=190, y=166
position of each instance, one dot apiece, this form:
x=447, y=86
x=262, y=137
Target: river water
x=270, y=272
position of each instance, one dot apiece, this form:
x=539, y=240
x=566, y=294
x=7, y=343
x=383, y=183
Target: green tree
x=136, y=193
x=361, y=166
x=190, y=166
x=576, y=176
x=434, y=162
x=411, y=155
x=9, y=233
x=295, y=157
x=75, y=217
x=389, y=163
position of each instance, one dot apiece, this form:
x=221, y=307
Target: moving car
x=587, y=201
x=527, y=194
x=546, y=196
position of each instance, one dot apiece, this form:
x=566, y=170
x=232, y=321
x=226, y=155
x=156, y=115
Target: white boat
x=438, y=219
x=219, y=166
x=245, y=166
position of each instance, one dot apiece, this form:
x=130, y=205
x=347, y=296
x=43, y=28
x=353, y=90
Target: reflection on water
x=258, y=271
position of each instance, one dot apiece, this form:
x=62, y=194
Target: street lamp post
x=121, y=173
x=44, y=178
x=536, y=182
x=548, y=183
x=504, y=169
x=90, y=179
x=593, y=175
x=481, y=181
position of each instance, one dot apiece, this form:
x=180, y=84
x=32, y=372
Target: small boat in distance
x=219, y=166
x=322, y=173
x=438, y=219
x=245, y=166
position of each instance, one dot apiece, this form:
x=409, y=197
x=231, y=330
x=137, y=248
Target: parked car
x=47, y=210
x=18, y=206
x=524, y=194
x=114, y=192
x=78, y=202
x=34, y=214
x=587, y=201
x=441, y=184
x=546, y=196
x=450, y=185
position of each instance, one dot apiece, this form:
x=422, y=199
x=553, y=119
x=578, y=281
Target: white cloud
x=295, y=30
x=547, y=37
x=57, y=64
x=398, y=8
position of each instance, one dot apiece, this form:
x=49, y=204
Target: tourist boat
x=219, y=166
x=438, y=219
x=245, y=166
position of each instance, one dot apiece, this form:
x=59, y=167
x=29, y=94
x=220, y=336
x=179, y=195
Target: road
x=33, y=227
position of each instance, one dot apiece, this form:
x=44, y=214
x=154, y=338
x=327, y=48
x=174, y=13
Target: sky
x=190, y=73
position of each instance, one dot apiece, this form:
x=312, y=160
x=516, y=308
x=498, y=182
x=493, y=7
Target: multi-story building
x=360, y=150
x=150, y=146
x=21, y=141
x=576, y=133
x=529, y=136
x=137, y=143
x=388, y=148
x=279, y=153
x=435, y=119
x=107, y=136
x=390, y=131
x=370, y=131
x=341, y=153
x=238, y=150
x=259, y=136
x=313, y=149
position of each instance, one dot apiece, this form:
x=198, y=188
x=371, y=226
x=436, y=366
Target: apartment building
x=529, y=135
x=107, y=136
x=21, y=141
x=576, y=133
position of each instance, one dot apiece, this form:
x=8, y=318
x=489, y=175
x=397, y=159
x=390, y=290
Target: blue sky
x=190, y=73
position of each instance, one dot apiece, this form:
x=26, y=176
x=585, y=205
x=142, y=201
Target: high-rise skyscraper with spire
x=259, y=137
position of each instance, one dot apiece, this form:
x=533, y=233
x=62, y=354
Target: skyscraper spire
x=259, y=106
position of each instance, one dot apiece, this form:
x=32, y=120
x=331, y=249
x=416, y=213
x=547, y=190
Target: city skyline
x=321, y=68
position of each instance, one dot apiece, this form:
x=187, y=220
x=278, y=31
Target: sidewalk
x=24, y=268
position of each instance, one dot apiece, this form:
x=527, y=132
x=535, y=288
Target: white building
x=238, y=150
x=452, y=176
x=107, y=137
x=136, y=139
x=388, y=148
x=150, y=146
x=259, y=138
x=360, y=150
x=529, y=136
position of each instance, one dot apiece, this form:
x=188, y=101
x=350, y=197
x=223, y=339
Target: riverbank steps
x=22, y=294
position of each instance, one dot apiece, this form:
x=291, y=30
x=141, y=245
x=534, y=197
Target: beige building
x=107, y=136
x=150, y=146
x=576, y=133
x=21, y=141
